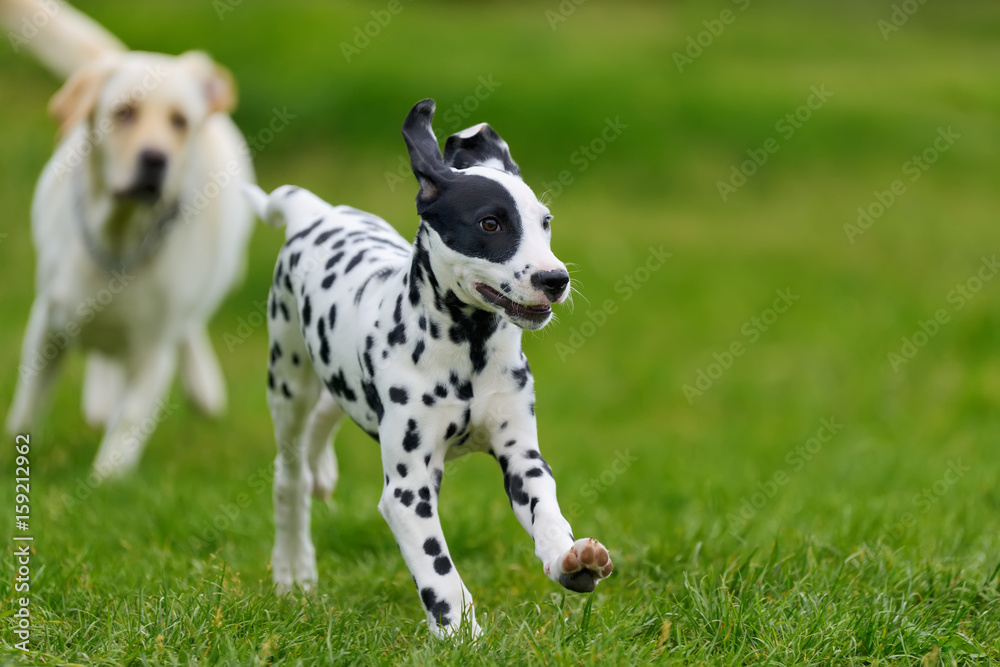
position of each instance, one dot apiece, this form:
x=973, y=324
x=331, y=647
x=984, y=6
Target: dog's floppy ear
x=217, y=82
x=425, y=156
x=481, y=146
x=78, y=96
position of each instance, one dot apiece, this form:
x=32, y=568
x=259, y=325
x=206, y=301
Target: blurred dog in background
x=139, y=225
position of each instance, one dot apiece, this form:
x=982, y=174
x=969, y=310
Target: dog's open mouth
x=535, y=314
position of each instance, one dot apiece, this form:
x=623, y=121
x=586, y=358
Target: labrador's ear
x=480, y=146
x=77, y=99
x=217, y=82
x=425, y=156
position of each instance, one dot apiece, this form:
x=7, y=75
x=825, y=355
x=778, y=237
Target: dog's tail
x=289, y=206
x=60, y=36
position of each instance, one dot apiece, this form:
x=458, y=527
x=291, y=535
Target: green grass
x=851, y=556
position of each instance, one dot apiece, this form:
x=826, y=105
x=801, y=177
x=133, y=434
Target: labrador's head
x=143, y=111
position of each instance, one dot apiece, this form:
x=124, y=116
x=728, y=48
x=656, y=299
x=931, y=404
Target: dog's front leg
x=412, y=458
x=142, y=407
x=576, y=564
x=40, y=360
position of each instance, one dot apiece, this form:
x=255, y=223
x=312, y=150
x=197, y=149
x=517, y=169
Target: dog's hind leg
x=142, y=406
x=320, y=432
x=293, y=391
x=103, y=384
x=41, y=355
x=200, y=372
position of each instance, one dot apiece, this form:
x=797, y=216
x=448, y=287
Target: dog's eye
x=546, y=222
x=178, y=121
x=125, y=113
x=489, y=225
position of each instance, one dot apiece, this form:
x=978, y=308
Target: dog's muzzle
x=152, y=170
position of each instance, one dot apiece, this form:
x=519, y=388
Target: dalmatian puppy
x=421, y=346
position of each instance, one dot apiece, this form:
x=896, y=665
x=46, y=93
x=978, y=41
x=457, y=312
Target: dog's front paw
x=580, y=568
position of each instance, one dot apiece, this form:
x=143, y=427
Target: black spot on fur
x=332, y=262
x=373, y=399
x=411, y=439
x=270, y=380
x=285, y=391
x=427, y=460
x=321, y=238
x=535, y=455
x=355, y=261
x=295, y=359
x=338, y=387
x=438, y=476
x=451, y=431
x=398, y=395
x=275, y=351
x=510, y=443
x=418, y=351
x=442, y=565
x=440, y=390
x=397, y=335
x=333, y=315
x=438, y=609
x=428, y=400
x=284, y=311
x=293, y=260
x=328, y=281
x=513, y=484
x=324, y=343
x=424, y=510
x=306, y=312
x=406, y=498
x=521, y=375
x=534, y=472
x=432, y=547
x=472, y=326
x=422, y=322
x=401, y=469
x=305, y=232
x=424, y=493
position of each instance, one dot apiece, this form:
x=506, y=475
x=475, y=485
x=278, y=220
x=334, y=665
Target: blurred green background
x=861, y=549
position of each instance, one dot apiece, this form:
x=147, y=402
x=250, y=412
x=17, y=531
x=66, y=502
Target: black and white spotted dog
x=421, y=346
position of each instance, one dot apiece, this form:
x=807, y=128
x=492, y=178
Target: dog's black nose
x=552, y=283
x=152, y=160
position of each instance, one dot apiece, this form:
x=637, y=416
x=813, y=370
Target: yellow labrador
x=140, y=229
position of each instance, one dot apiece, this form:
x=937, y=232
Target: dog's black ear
x=425, y=156
x=479, y=145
